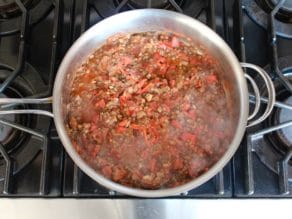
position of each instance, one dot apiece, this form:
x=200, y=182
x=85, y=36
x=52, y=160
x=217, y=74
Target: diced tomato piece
x=191, y=114
x=183, y=57
x=145, y=154
x=186, y=106
x=123, y=99
x=174, y=151
x=165, y=45
x=177, y=164
x=176, y=124
x=163, y=119
x=119, y=174
x=198, y=84
x=166, y=108
x=126, y=60
x=107, y=171
x=137, y=127
x=77, y=147
x=194, y=61
x=93, y=127
x=193, y=169
x=104, y=132
x=163, y=69
x=162, y=46
x=141, y=83
x=175, y=42
x=152, y=165
x=219, y=134
x=95, y=118
x=73, y=122
x=115, y=154
x=100, y=104
x=159, y=59
x=121, y=129
x=211, y=79
x=172, y=83
x=137, y=175
x=171, y=67
x=136, y=50
x=154, y=129
x=124, y=122
x=146, y=138
x=87, y=78
x=146, y=88
x=186, y=136
x=95, y=150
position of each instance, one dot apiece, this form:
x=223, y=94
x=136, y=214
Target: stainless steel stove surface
x=34, y=36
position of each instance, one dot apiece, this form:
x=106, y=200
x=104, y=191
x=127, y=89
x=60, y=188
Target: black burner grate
x=34, y=153
x=257, y=138
x=39, y=34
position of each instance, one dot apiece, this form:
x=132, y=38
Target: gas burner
x=9, y=8
x=163, y=4
x=259, y=11
x=274, y=146
x=20, y=146
x=282, y=139
x=10, y=14
x=285, y=12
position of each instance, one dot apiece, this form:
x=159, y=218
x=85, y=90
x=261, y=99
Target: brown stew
x=148, y=110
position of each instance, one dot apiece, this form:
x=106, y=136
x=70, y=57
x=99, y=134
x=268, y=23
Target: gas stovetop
x=35, y=35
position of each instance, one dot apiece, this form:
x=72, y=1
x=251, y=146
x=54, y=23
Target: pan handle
x=271, y=94
x=6, y=103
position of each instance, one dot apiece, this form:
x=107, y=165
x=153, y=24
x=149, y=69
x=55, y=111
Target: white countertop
x=28, y=208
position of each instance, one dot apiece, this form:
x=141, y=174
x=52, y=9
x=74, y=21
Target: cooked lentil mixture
x=148, y=110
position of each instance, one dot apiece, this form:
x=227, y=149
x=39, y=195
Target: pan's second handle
x=12, y=101
x=271, y=94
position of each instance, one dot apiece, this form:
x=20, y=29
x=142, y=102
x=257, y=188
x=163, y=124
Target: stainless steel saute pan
x=152, y=20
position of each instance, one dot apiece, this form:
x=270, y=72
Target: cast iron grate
x=256, y=140
x=21, y=28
